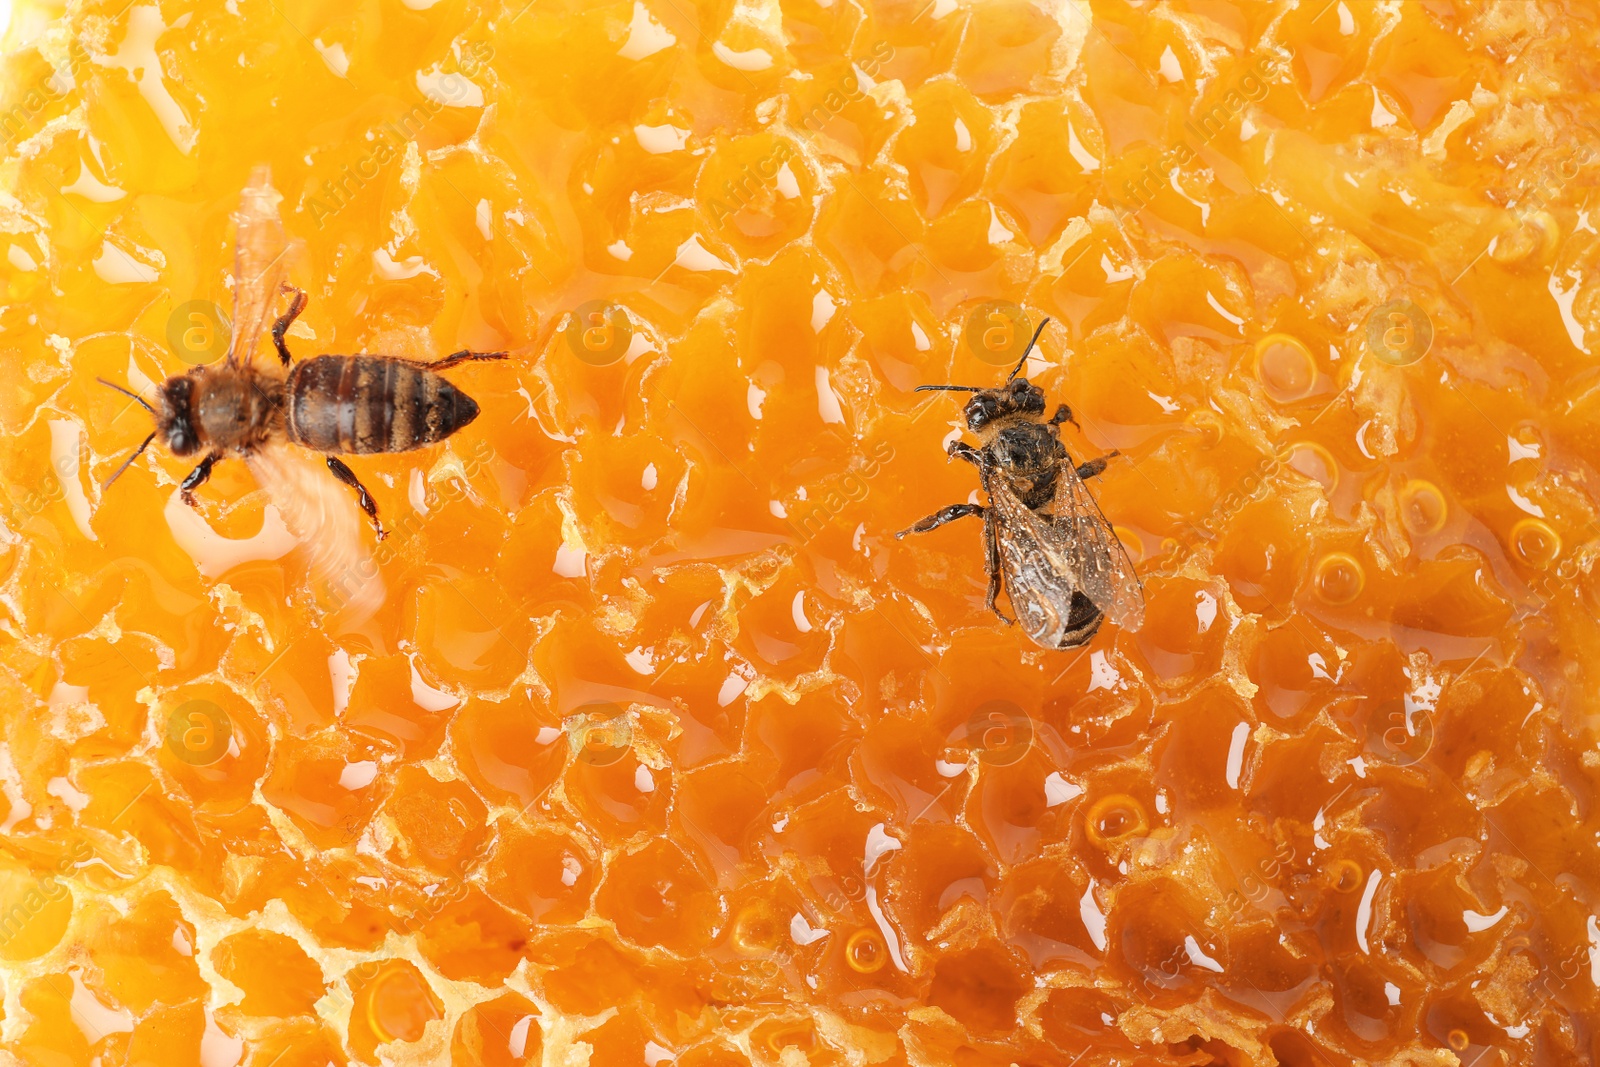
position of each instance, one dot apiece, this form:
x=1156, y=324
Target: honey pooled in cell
x=659, y=898
x=277, y=976
x=1285, y=367
x=1316, y=462
x=1423, y=508
x=719, y=808
x=1339, y=579
x=503, y=1032
x=391, y=1001
x=440, y=824
x=1114, y=819
x=38, y=908
x=469, y=937
x=980, y=988
x=1535, y=543
x=1182, y=634
x=937, y=868
x=758, y=930
x=511, y=751
x=544, y=872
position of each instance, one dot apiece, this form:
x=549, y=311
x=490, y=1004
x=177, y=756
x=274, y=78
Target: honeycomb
x=641, y=739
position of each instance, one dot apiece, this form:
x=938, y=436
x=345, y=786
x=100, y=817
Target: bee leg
x=962, y=450
x=1093, y=467
x=1063, y=414
x=197, y=477
x=279, y=328
x=940, y=517
x=463, y=356
x=348, y=477
x=991, y=563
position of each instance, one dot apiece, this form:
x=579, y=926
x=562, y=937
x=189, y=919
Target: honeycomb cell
x=1535, y=543
x=440, y=825
x=545, y=874
x=980, y=988
x=503, y=1032
x=391, y=1002
x=945, y=148
x=277, y=976
x=659, y=898
x=37, y=908
x=1285, y=366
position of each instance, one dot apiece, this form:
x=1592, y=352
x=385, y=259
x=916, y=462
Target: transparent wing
x=260, y=265
x=323, y=516
x=1069, y=547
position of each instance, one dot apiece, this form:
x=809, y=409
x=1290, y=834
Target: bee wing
x=1104, y=570
x=1068, y=546
x=260, y=264
x=324, y=517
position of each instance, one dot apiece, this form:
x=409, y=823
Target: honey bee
x=1065, y=570
x=335, y=405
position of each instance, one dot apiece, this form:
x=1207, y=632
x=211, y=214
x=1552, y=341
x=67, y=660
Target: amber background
x=1198, y=843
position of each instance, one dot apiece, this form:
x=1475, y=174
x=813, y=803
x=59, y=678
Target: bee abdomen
x=372, y=404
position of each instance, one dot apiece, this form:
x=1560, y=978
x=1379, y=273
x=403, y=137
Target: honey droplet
x=1459, y=1040
x=1339, y=579
x=1285, y=367
x=1344, y=876
x=865, y=951
x=1315, y=462
x=1535, y=542
x=1422, y=507
x=1116, y=817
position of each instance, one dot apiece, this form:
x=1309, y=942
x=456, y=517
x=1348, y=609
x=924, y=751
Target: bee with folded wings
x=1064, y=568
x=334, y=405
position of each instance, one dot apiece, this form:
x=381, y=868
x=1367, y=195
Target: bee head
x=175, y=418
x=1016, y=397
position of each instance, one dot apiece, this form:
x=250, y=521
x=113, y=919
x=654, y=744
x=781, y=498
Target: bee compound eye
x=980, y=411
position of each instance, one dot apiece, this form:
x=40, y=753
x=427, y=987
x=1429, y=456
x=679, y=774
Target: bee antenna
x=128, y=392
x=1023, y=361
x=948, y=388
x=129, y=461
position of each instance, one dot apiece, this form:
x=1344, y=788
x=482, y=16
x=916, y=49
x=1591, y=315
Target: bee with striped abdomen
x=1064, y=568
x=335, y=405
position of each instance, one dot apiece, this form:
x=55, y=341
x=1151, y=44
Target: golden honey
x=641, y=739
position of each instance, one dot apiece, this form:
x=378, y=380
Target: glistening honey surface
x=659, y=748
